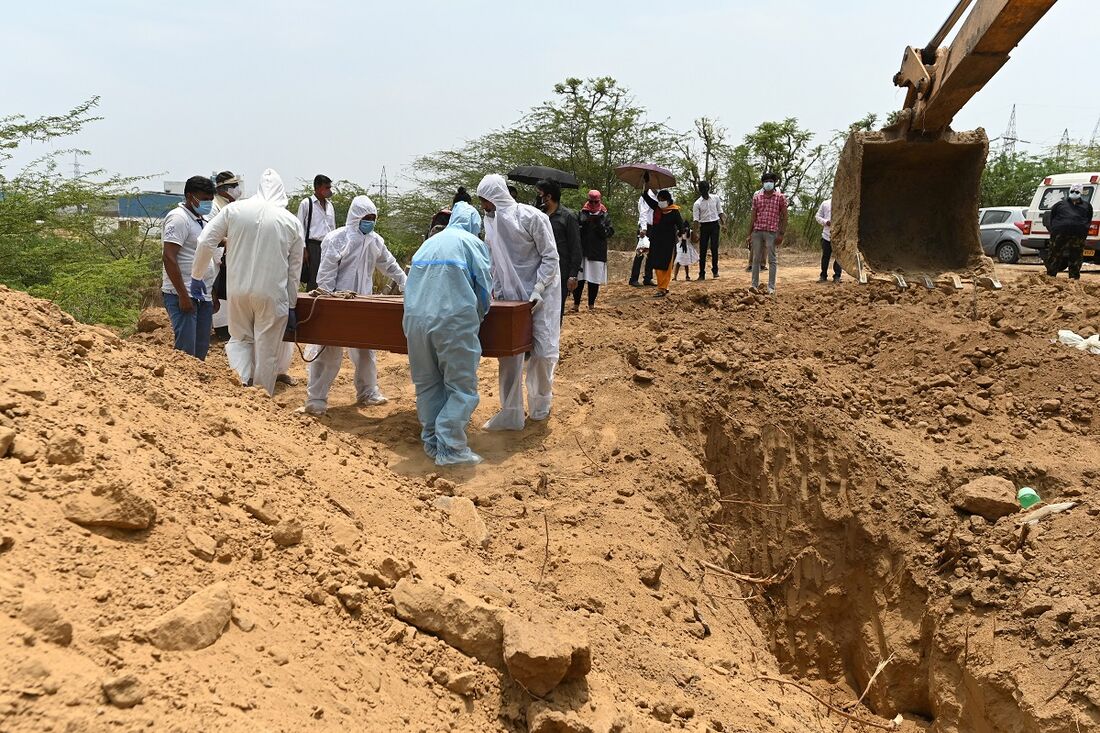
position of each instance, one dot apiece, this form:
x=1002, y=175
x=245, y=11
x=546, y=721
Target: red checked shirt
x=769, y=210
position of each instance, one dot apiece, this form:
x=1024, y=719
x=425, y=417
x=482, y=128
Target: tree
x=701, y=150
x=588, y=128
x=56, y=237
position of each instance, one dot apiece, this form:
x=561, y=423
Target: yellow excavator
x=905, y=201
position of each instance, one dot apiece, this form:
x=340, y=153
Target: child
x=686, y=255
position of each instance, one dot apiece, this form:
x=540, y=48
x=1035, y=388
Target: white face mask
x=769, y=186
x=234, y=192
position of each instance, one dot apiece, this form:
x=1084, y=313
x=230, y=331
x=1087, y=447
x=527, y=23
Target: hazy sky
x=345, y=88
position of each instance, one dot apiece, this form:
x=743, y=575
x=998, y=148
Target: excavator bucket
x=905, y=208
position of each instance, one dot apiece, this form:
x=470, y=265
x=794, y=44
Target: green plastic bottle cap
x=1027, y=497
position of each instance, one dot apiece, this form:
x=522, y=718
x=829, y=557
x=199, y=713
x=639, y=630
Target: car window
x=995, y=216
x=1055, y=194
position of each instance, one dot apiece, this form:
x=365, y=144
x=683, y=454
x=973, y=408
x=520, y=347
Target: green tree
x=57, y=236
x=588, y=128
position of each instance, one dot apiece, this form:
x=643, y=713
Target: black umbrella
x=532, y=174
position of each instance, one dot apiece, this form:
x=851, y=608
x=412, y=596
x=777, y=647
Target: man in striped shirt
x=767, y=226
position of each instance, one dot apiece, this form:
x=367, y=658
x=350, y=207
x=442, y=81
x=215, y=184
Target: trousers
x=709, y=233
x=826, y=255
x=256, y=326
x=1066, y=251
x=540, y=390
x=636, y=268
x=764, y=242
x=326, y=366
x=191, y=330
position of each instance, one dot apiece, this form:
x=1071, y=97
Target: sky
x=345, y=88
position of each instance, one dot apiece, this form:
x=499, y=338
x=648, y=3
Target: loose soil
x=731, y=490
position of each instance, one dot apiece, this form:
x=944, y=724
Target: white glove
x=536, y=297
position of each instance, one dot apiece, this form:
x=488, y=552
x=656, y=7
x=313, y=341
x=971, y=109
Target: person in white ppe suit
x=349, y=257
x=445, y=302
x=263, y=259
x=524, y=267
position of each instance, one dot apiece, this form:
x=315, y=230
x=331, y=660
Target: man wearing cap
x=1068, y=222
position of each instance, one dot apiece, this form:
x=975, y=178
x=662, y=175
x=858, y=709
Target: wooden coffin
x=374, y=322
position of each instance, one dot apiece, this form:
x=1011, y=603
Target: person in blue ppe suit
x=446, y=298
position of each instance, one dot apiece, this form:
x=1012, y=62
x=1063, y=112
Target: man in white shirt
x=180, y=236
x=318, y=218
x=707, y=217
x=824, y=217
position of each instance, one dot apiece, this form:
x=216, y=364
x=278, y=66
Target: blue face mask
x=202, y=208
x=769, y=186
x=366, y=226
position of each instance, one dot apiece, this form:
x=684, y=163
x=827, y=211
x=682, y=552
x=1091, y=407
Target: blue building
x=146, y=205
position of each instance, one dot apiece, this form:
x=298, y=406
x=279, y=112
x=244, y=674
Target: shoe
x=287, y=380
x=771, y=291
x=660, y=294
x=311, y=410
x=635, y=284
x=835, y=279
x=591, y=309
x=714, y=276
x=688, y=279
x=748, y=268
x=374, y=400
x=649, y=283
x=576, y=307
x=823, y=279
x=702, y=276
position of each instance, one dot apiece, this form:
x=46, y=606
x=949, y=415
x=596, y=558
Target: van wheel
x=1008, y=253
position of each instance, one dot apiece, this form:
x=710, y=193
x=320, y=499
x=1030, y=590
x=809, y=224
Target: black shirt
x=1071, y=219
x=567, y=235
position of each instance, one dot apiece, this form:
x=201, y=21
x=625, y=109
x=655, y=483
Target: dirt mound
x=182, y=554
x=776, y=500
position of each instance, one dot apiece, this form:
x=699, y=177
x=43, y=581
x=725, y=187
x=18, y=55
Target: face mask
x=1075, y=197
x=234, y=192
x=769, y=186
x=202, y=208
x=366, y=226
x=664, y=204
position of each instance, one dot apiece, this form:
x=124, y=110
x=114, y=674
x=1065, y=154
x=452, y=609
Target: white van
x=1052, y=190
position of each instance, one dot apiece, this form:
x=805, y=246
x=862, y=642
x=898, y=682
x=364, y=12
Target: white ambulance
x=1052, y=190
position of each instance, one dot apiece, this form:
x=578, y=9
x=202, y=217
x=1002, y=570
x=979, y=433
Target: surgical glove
x=198, y=289
x=291, y=321
x=536, y=297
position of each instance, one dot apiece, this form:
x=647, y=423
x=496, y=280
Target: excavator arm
x=905, y=199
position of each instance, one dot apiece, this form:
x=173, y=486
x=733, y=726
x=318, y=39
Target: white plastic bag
x=1090, y=344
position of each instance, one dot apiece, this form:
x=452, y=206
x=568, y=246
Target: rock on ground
x=383, y=571
x=465, y=517
x=7, y=437
x=124, y=691
x=203, y=546
x=989, y=496
x=287, y=533
x=114, y=506
x=539, y=657
x=541, y=718
x=461, y=619
x=42, y=615
x=64, y=449
x=194, y=624
x=649, y=572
